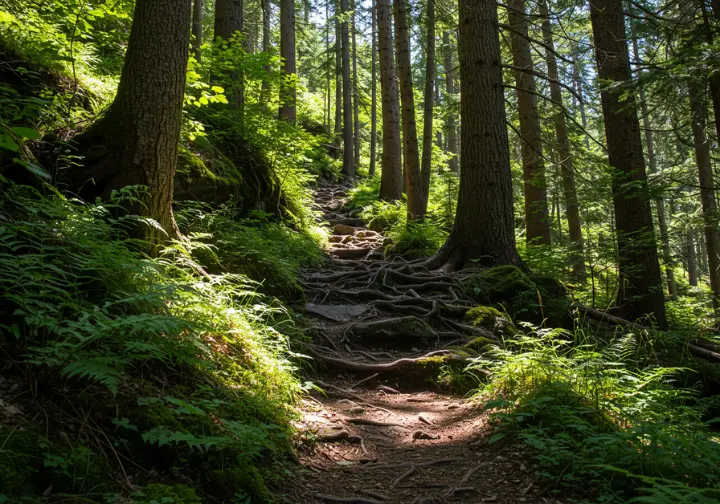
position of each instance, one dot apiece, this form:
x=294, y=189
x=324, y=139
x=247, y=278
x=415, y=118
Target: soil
x=381, y=430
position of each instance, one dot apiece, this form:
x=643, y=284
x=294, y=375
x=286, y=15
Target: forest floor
x=383, y=430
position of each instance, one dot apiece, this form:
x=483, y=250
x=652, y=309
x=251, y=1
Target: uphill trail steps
x=383, y=430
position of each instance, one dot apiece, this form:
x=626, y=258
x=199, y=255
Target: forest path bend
x=384, y=432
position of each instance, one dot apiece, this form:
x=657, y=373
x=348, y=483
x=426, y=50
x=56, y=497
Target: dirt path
x=384, y=432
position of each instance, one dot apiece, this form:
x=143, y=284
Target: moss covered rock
x=528, y=297
x=245, y=480
x=490, y=318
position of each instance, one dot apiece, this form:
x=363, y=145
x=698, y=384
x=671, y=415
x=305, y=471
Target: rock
x=351, y=253
x=350, y=221
x=364, y=233
x=338, y=313
x=335, y=239
x=343, y=229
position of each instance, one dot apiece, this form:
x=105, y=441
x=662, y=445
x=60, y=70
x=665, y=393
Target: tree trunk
x=136, y=142
x=328, y=105
x=537, y=224
x=356, y=94
x=265, y=44
x=228, y=18
x=577, y=84
x=640, y=291
x=429, y=106
x=348, y=141
x=197, y=41
x=452, y=147
x=691, y=258
x=715, y=76
x=483, y=228
x=338, y=76
x=287, y=51
x=572, y=209
x=411, y=156
x=228, y=22
x=391, y=177
x=707, y=195
x=373, y=93
x=659, y=202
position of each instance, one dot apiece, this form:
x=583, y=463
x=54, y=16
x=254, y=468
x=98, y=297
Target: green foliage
x=82, y=309
x=597, y=414
x=157, y=493
x=267, y=251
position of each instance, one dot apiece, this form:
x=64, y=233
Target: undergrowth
x=606, y=421
x=130, y=375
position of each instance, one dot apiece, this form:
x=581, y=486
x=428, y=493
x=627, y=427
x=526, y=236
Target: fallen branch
x=704, y=352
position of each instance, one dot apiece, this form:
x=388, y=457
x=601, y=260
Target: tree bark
x=228, y=18
x=452, y=147
x=356, y=94
x=577, y=84
x=537, y=224
x=698, y=124
x=659, y=202
x=198, y=7
x=691, y=258
x=228, y=22
x=572, y=208
x=338, y=75
x=348, y=141
x=391, y=178
x=715, y=76
x=483, y=229
x=373, y=93
x=411, y=156
x=640, y=291
x=328, y=105
x=265, y=44
x=288, y=95
x=429, y=106
x=136, y=142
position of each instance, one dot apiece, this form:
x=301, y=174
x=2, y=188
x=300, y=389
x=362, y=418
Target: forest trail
x=384, y=432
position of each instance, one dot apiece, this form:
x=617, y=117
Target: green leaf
x=33, y=168
x=24, y=132
x=218, y=89
x=7, y=143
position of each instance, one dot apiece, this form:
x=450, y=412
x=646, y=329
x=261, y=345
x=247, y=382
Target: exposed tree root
x=374, y=423
x=346, y=500
x=361, y=367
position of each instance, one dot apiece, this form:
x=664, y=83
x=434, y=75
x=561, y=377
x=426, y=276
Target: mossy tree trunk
x=483, y=230
x=640, y=291
x=136, y=142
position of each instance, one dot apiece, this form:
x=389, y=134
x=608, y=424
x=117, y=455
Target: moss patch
x=528, y=297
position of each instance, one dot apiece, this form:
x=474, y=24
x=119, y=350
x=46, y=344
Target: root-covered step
x=387, y=331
